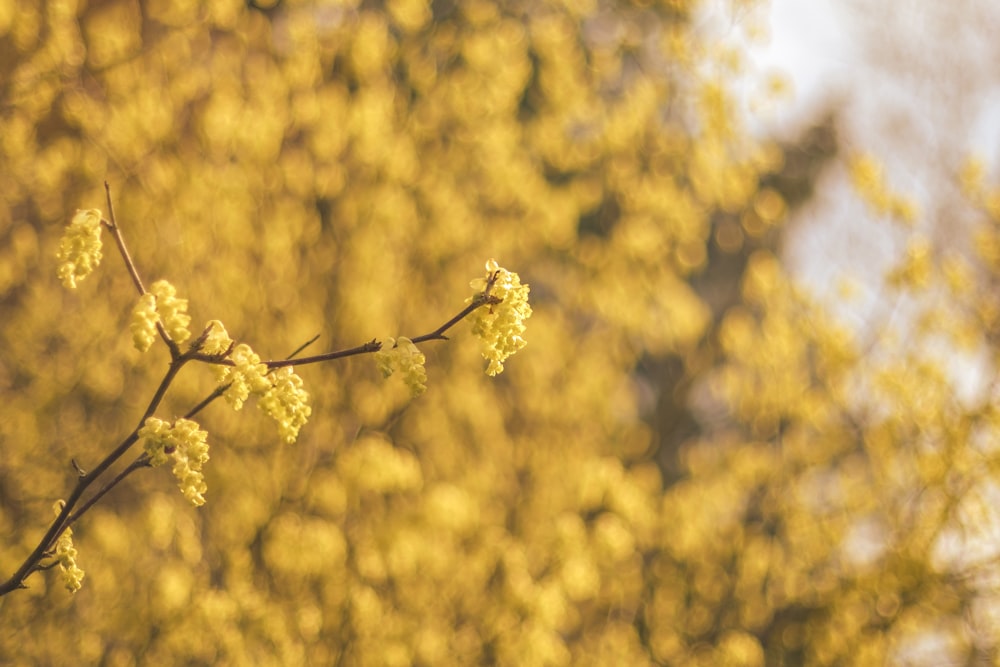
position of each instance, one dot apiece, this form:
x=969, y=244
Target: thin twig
x=83, y=482
x=205, y=402
x=68, y=516
x=142, y=461
x=112, y=227
x=115, y=232
x=304, y=345
x=371, y=346
x=221, y=389
x=376, y=345
x=438, y=334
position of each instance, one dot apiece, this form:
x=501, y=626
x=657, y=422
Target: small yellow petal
x=80, y=248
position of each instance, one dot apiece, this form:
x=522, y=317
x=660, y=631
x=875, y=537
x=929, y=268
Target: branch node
x=198, y=342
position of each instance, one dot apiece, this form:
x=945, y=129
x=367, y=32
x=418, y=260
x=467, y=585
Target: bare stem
x=371, y=346
x=115, y=232
x=84, y=480
x=438, y=334
x=63, y=520
x=72, y=510
x=205, y=402
x=142, y=461
x=375, y=345
x=304, y=345
x=112, y=227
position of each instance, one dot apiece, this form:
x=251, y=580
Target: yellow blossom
x=500, y=326
x=144, y=319
x=286, y=402
x=80, y=247
x=190, y=455
x=65, y=553
x=217, y=341
x=402, y=355
x=280, y=393
x=246, y=376
x=155, y=432
x=187, y=445
x=159, y=305
x=172, y=311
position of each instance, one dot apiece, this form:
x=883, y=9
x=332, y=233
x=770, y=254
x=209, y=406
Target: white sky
x=916, y=83
x=807, y=44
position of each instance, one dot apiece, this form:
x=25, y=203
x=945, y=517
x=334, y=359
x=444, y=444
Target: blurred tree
x=734, y=238
x=344, y=168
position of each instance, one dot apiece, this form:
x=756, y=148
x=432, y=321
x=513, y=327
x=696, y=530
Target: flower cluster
x=286, y=402
x=403, y=356
x=80, y=247
x=281, y=394
x=500, y=326
x=159, y=304
x=143, y=324
x=173, y=311
x=217, y=341
x=187, y=445
x=72, y=575
x=246, y=376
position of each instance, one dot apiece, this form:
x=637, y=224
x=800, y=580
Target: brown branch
x=112, y=227
x=371, y=346
x=72, y=509
x=375, y=345
x=480, y=300
x=304, y=345
x=83, y=482
x=115, y=231
x=142, y=461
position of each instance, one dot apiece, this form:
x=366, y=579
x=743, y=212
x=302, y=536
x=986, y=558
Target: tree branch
x=113, y=229
x=83, y=482
x=116, y=234
x=142, y=461
x=438, y=334
x=72, y=510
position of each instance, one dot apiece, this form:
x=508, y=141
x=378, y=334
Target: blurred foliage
x=345, y=168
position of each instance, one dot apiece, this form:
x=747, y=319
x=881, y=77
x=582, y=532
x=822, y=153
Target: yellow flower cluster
x=217, y=341
x=402, y=355
x=500, y=326
x=80, y=247
x=286, y=402
x=143, y=324
x=172, y=311
x=247, y=376
x=72, y=575
x=281, y=394
x=159, y=304
x=187, y=445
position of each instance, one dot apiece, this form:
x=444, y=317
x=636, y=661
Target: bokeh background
x=709, y=453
